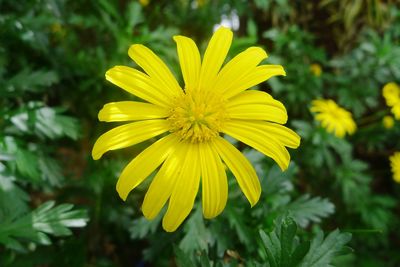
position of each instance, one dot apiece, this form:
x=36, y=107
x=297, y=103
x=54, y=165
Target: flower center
x=197, y=116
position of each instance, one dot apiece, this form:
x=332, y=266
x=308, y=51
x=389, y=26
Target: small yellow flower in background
x=316, y=69
x=395, y=165
x=333, y=118
x=388, y=122
x=59, y=30
x=144, y=2
x=191, y=122
x=391, y=93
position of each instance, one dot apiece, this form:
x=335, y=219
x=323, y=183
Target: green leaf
x=30, y=81
x=13, y=200
x=283, y=248
x=45, y=122
x=323, y=251
x=50, y=170
x=142, y=227
x=46, y=220
x=197, y=237
x=27, y=164
x=182, y=259
x=305, y=209
x=288, y=232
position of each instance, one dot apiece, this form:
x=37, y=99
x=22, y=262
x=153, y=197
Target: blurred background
x=58, y=207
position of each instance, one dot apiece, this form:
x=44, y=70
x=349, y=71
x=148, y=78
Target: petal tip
x=168, y=227
x=122, y=194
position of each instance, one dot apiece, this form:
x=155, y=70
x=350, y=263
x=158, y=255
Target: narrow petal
x=214, y=57
x=214, y=182
x=128, y=135
x=163, y=183
x=144, y=164
x=265, y=108
x=185, y=190
x=240, y=66
x=260, y=140
x=282, y=134
x=250, y=97
x=138, y=84
x=241, y=168
x=189, y=59
x=258, y=75
x=155, y=68
x=130, y=111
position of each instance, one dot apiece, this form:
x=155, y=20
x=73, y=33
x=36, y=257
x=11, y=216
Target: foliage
x=53, y=57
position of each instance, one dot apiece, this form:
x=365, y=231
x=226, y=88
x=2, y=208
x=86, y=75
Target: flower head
x=190, y=123
x=391, y=93
x=316, y=69
x=333, y=118
x=388, y=122
x=395, y=165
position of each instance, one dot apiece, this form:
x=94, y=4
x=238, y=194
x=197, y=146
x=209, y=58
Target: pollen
x=197, y=116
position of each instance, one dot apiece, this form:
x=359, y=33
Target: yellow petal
x=185, y=190
x=258, y=75
x=144, y=164
x=282, y=134
x=238, y=67
x=214, y=57
x=241, y=168
x=163, y=183
x=138, y=84
x=247, y=106
x=189, y=59
x=250, y=97
x=214, y=182
x=155, y=68
x=130, y=111
x=260, y=140
x=128, y=135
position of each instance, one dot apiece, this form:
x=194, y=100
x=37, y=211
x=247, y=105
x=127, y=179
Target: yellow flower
x=391, y=93
x=333, y=118
x=316, y=69
x=388, y=122
x=191, y=123
x=395, y=165
x=144, y=2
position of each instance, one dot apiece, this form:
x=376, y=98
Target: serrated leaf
x=45, y=122
x=50, y=170
x=13, y=200
x=142, y=227
x=284, y=249
x=27, y=164
x=306, y=209
x=300, y=252
x=182, y=259
x=46, y=219
x=323, y=251
x=288, y=232
x=30, y=81
x=197, y=237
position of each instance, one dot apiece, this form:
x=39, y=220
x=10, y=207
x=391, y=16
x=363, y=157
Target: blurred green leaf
x=46, y=220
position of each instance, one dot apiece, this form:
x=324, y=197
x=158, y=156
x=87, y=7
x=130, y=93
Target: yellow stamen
x=197, y=116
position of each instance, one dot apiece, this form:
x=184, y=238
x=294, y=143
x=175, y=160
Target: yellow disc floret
x=197, y=116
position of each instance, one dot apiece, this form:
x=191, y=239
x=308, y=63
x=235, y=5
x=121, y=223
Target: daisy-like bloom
x=316, y=69
x=391, y=93
x=395, y=165
x=190, y=123
x=388, y=122
x=333, y=118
